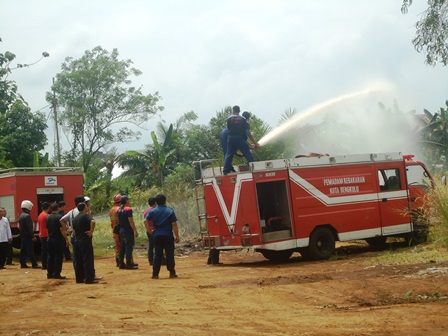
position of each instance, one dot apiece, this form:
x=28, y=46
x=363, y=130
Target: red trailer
x=306, y=204
x=37, y=185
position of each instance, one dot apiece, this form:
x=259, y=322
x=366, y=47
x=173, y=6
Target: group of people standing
x=55, y=228
x=161, y=226
x=159, y=220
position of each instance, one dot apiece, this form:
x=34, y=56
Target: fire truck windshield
x=417, y=175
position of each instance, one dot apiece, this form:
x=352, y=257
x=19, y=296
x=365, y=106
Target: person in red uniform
x=43, y=233
x=114, y=225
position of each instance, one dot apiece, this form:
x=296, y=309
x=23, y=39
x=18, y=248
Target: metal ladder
x=198, y=167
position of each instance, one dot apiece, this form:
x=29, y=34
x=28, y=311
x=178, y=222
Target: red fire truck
x=37, y=185
x=306, y=204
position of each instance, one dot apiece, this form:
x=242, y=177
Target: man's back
x=54, y=226
x=124, y=212
x=237, y=125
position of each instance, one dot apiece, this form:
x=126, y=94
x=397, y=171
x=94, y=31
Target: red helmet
x=117, y=199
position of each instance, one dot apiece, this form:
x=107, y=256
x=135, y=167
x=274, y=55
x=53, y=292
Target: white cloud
x=265, y=56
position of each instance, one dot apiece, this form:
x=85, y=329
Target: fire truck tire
x=421, y=228
x=277, y=256
x=416, y=238
x=376, y=241
x=322, y=244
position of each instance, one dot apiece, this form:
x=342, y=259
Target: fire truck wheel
x=277, y=256
x=416, y=238
x=322, y=244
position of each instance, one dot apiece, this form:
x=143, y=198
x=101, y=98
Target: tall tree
x=432, y=31
x=21, y=131
x=97, y=98
x=21, y=134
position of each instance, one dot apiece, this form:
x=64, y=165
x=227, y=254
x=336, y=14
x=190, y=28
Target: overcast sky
x=265, y=55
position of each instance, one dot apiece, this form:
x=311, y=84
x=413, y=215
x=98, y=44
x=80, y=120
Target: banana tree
x=435, y=133
x=157, y=158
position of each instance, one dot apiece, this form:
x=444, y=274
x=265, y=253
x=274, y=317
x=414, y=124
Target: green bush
x=438, y=199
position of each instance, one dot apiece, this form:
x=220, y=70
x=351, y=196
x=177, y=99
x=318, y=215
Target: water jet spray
x=276, y=132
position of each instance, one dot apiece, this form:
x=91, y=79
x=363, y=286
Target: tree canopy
x=98, y=100
x=22, y=132
x=432, y=31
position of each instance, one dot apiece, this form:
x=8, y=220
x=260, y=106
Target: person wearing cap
x=43, y=233
x=237, y=132
x=128, y=233
x=115, y=227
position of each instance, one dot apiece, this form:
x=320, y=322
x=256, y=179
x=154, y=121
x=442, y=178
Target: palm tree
x=435, y=134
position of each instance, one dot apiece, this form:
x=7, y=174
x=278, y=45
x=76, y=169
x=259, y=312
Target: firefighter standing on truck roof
x=27, y=236
x=237, y=134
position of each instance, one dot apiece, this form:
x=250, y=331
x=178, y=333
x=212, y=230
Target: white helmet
x=27, y=205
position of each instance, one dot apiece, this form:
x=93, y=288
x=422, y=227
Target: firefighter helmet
x=27, y=205
x=117, y=199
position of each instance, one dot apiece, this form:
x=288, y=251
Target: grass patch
x=427, y=253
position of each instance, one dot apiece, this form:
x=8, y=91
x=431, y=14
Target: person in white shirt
x=5, y=237
x=67, y=221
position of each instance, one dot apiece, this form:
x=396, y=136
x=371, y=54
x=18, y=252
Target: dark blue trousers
x=27, y=250
x=84, y=269
x=127, y=242
x=56, y=247
x=4, y=246
x=163, y=243
x=234, y=143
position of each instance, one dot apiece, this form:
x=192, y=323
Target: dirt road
x=245, y=296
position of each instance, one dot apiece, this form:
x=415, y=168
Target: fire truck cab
x=306, y=204
x=37, y=185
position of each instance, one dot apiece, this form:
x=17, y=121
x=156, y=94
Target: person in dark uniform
x=237, y=134
x=57, y=241
x=27, y=236
x=61, y=211
x=83, y=226
x=128, y=233
x=224, y=137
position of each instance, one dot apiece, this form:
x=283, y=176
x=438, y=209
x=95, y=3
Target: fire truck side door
x=393, y=199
